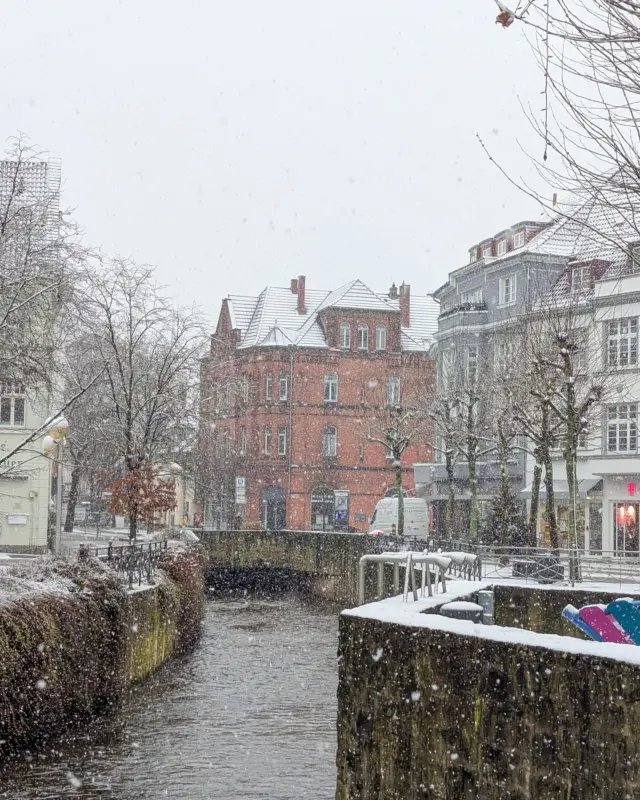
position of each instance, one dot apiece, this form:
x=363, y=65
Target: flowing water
x=250, y=714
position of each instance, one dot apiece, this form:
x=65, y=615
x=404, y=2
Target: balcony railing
x=463, y=308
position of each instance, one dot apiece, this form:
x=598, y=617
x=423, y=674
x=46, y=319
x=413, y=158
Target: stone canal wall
x=440, y=708
x=326, y=564
x=73, y=640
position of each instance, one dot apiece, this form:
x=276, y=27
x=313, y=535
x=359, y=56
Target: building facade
x=297, y=393
x=582, y=268
x=25, y=478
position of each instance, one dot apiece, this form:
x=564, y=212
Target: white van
x=416, y=518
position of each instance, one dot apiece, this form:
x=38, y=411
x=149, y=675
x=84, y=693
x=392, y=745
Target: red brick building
x=297, y=383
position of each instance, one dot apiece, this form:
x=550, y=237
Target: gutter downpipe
x=292, y=349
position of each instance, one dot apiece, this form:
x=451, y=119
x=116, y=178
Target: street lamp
x=54, y=440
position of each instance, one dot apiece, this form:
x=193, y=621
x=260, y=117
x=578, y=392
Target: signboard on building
x=341, y=506
x=241, y=490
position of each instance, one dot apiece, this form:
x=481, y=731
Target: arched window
x=381, y=337
x=331, y=388
x=363, y=337
x=345, y=336
x=330, y=442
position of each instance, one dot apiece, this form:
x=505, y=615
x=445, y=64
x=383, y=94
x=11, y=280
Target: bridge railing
x=132, y=561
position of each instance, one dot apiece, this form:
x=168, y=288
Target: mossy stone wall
x=71, y=655
x=429, y=714
x=540, y=610
x=331, y=559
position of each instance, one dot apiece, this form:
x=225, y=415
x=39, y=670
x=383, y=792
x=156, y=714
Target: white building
x=25, y=479
x=601, y=288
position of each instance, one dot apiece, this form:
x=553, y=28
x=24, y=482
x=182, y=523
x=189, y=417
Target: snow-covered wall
x=440, y=708
x=73, y=641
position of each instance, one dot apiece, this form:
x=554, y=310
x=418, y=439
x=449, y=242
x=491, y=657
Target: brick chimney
x=405, y=304
x=294, y=286
x=300, y=287
x=393, y=291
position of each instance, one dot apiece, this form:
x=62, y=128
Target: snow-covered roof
x=272, y=320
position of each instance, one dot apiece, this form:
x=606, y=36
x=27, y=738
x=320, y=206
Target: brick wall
x=360, y=466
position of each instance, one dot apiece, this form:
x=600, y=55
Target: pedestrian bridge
x=326, y=563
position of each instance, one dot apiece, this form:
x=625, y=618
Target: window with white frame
x=622, y=342
x=581, y=279
x=267, y=440
x=473, y=255
x=268, y=386
x=345, y=336
x=487, y=252
x=282, y=441
x=474, y=296
x=363, y=337
x=243, y=441
x=622, y=429
x=381, y=337
x=331, y=387
x=12, y=400
x=283, y=386
x=393, y=391
x=508, y=290
x=518, y=240
x=472, y=363
x=330, y=442
x=502, y=247
x=505, y=353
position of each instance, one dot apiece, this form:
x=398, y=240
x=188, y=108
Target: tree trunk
x=133, y=527
x=504, y=492
x=451, y=499
x=550, y=501
x=72, y=501
x=535, y=502
x=400, y=530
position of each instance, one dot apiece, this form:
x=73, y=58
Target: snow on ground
x=412, y=614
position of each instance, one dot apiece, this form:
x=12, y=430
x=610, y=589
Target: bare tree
x=149, y=353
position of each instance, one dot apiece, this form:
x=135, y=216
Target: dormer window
x=581, y=279
x=345, y=336
x=518, y=240
x=473, y=255
x=486, y=252
x=502, y=247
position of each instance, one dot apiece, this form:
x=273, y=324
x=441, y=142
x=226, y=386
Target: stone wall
x=73, y=641
x=329, y=561
x=540, y=609
x=432, y=713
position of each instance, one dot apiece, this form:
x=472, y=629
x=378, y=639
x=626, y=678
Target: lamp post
x=54, y=440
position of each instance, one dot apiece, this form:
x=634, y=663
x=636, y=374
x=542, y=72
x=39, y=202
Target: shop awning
x=561, y=488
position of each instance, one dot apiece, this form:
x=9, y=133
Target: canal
x=250, y=714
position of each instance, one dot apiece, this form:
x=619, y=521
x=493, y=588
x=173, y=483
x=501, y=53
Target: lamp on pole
x=54, y=440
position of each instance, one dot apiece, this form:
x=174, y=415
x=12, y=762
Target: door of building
x=625, y=528
x=322, y=509
x=274, y=508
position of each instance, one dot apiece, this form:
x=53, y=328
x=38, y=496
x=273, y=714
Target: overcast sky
x=242, y=143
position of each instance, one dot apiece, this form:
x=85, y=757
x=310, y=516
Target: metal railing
x=133, y=561
x=464, y=565
x=548, y=565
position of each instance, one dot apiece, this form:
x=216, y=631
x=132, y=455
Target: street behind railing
x=136, y=562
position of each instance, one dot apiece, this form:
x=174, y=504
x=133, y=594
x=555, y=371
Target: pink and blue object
x=618, y=622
